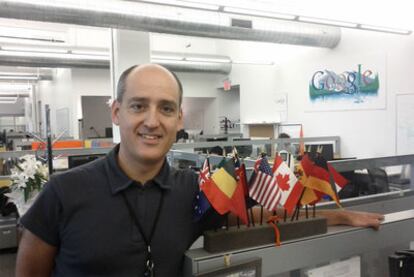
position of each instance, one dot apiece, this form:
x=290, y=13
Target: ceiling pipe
x=283, y=32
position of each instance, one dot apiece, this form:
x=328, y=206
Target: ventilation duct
x=275, y=31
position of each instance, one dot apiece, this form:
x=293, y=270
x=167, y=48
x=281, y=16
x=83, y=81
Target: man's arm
x=352, y=218
x=35, y=257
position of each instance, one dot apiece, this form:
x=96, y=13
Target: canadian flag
x=289, y=185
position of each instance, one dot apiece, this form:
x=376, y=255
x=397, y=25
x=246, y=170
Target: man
x=128, y=214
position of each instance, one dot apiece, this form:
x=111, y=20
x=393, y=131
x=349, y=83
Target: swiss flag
x=288, y=183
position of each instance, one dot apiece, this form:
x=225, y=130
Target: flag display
x=264, y=188
x=238, y=206
x=201, y=205
x=223, y=191
x=291, y=188
x=204, y=172
x=317, y=180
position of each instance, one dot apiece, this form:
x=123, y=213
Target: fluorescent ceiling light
x=182, y=62
x=188, y=4
x=53, y=55
x=252, y=62
x=384, y=29
x=259, y=13
x=206, y=59
x=17, y=74
x=167, y=57
x=11, y=77
x=89, y=52
x=327, y=22
x=8, y=98
x=33, y=49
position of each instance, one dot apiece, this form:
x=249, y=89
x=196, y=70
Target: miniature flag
x=318, y=179
x=204, y=172
x=291, y=188
x=264, y=188
x=239, y=196
x=219, y=189
x=202, y=205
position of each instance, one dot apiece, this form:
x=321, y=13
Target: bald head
x=142, y=70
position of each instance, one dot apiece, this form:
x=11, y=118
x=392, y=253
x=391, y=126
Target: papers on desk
x=347, y=268
x=393, y=217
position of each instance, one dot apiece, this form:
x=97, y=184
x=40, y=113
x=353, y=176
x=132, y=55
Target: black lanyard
x=149, y=263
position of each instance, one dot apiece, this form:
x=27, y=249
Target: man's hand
x=352, y=218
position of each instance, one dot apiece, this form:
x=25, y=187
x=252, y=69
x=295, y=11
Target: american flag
x=264, y=188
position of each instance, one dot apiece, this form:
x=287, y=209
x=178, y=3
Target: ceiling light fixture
x=253, y=62
x=89, y=52
x=259, y=13
x=384, y=29
x=8, y=100
x=14, y=77
x=54, y=55
x=206, y=59
x=186, y=4
x=327, y=22
x=33, y=49
x=167, y=57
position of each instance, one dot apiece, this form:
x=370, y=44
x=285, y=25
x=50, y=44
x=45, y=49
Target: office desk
x=341, y=242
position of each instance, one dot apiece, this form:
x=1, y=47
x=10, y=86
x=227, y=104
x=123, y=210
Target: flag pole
x=284, y=215
x=306, y=211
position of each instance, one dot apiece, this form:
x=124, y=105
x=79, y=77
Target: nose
x=152, y=119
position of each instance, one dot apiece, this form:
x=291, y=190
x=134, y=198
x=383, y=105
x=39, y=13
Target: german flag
x=317, y=181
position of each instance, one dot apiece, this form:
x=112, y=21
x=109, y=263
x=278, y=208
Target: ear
x=115, y=112
x=180, y=124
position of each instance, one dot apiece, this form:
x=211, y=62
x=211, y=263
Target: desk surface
x=340, y=242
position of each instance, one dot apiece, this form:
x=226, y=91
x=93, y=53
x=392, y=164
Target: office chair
x=379, y=180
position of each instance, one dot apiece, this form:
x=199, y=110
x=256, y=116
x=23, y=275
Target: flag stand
x=223, y=240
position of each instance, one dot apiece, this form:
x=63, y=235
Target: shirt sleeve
x=42, y=219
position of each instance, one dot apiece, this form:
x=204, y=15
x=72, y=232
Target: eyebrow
x=145, y=100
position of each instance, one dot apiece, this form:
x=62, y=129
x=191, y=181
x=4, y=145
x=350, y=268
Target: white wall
x=57, y=94
x=95, y=82
x=364, y=133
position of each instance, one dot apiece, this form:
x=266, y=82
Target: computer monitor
x=327, y=150
x=108, y=132
x=244, y=150
x=77, y=160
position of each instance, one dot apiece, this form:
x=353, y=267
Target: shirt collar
x=119, y=181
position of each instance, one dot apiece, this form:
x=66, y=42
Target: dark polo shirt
x=82, y=213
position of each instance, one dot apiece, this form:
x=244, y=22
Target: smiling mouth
x=150, y=137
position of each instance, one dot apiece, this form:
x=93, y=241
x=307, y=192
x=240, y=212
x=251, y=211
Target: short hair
x=120, y=91
x=284, y=135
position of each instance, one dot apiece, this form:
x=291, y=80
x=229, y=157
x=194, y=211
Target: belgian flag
x=224, y=193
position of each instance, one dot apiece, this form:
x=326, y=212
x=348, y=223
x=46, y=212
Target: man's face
x=149, y=115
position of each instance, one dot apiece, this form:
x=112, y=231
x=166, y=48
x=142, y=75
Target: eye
x=136, y=107
x=168, y=109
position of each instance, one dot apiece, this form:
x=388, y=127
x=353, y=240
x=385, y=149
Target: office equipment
x=379, y=180
x=77, y=160
x=401, y=264
x=327, y=150
x=108, y=132
x=244, y=150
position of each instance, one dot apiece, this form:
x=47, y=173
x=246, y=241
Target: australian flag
x=201, y=204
